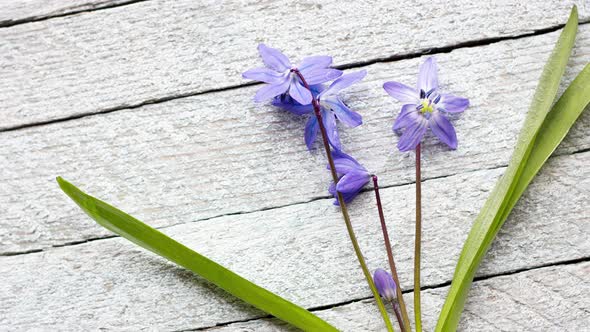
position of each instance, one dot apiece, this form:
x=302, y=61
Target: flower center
x=428, y=101
x=426, y=106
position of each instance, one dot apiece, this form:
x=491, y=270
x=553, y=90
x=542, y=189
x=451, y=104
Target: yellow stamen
x=426, y=106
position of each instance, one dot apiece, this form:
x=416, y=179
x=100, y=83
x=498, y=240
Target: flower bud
x=385, y=284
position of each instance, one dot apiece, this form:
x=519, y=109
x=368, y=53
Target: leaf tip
x=63, y=184
x=71, y=190
x=574, y=13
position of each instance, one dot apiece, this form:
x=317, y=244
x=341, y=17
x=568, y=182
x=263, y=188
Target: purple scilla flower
x=332, y=108
x=385, y=284
x=280, y=77
x=287, y=103
x=352, y=177
x=424, y=107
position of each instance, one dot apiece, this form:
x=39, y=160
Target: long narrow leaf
x=562, y=117
x=499, y=203
x=145, y=236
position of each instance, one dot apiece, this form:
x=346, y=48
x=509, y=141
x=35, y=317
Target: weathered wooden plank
x=214, y=154
x=554, y=298
x=152, y=50
x=15, y=12
x=301, y=252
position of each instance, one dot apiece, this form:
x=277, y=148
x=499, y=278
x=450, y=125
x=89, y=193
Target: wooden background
x=142, y=104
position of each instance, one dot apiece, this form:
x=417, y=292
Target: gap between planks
x=93, y=239
x=10, y=23
x=405, y=291
x=353, y=65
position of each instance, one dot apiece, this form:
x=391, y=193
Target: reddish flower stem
x=398, y=315
x=405, y=321
x=343, y=209
x=418, y=244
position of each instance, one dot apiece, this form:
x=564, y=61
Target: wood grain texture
x=16, y=12
x=153, y=50
x=301, y=252
x=195, y=158
x=551, y=299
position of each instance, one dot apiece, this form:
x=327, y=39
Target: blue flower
x=280, y=77
x=286, y=102
x=385, y=284
x=424, y=108
x=332, y=108
x=352, y=177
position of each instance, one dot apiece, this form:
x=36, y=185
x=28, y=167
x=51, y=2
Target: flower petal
x=292, y=106
x=320, y=61
x=348, y=197
x=263, y=74
x=317, y=75
x=311, y=131
x=273, y=58
x=352, y=182
x=402, y=92
x=453, y=104
x=329, y=121
x=443, y=129
x=343, y=113
x=413, y=135
x=428, y=77
x=385, y=284
x=332, y=190
x=271, y=90
x=300, y=93
x=345, y=163
x=406, y=117
x=317, y=88
x=344, y=82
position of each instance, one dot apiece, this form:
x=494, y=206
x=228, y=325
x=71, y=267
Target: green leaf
x=562, y=117
x=145, y=236
x=519, y=172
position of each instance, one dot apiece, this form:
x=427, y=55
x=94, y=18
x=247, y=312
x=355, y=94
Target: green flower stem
x=418, y=244
x=344, y=210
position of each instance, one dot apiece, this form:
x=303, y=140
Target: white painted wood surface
x=551, y=299
x=234, y=181
x=22, y=11
x=300, y=251
x=155, y=50
x=195, y=158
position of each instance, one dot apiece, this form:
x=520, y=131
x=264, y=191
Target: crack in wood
x=68, y=12
x=406, y=291
x=427, y=179
x=353, y=65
